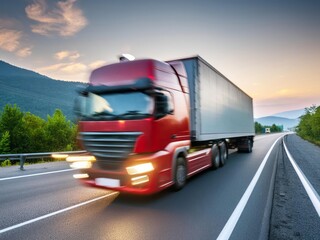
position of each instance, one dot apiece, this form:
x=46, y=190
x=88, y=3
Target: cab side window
x=164, y=104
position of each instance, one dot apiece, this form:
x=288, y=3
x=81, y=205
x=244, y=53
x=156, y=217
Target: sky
x=270, y=49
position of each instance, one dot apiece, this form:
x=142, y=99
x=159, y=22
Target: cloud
x=74, y=67
x=68, y=68
x=9, y=39
x=72, y=71
x=65, y=19
x=67, y=55
x=286, y=92
x=8, y=23
x=24, y=52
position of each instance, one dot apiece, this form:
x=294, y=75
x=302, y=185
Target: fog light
x=139, y=180
x=80, y=175
x=140, y=168
x=81, y=165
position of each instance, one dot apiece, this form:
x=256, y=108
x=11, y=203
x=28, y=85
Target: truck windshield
x=110, y=106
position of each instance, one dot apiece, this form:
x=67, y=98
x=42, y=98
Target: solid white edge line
x=233, y=219
x=55, y=213
x=312, y=193
x=36, y=174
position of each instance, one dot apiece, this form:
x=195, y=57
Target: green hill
x=34, y=92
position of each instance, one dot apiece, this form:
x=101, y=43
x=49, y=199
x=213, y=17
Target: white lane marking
x=55, y=213
x=233, y=219
x=312, y=193
x=36, y=174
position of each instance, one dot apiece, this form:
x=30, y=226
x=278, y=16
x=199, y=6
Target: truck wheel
x=215, y=159
x=249, y=147
x=245, y=145
x=180, y=174
x=223, y=153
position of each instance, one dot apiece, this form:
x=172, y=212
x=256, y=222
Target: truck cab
x=133, y=116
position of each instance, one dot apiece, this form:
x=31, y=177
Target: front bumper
x=142, y=183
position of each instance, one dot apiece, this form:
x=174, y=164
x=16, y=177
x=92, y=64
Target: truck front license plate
x=107, y=182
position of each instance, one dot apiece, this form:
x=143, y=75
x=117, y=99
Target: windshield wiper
x=134, y=113
x=104, y=113
x=126, y=115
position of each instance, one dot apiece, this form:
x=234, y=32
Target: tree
x=309, y=126
x=315, y=124
x=35, y=130
x=275, y=128
x=304, y=127
x=11, y=121
x=258, y=127
x=5, y=143
x=59, y=132
x=24, y=132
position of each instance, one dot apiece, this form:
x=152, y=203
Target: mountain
x=34, y=92
x=279, y=121
x=288, y=119
x=290, y=114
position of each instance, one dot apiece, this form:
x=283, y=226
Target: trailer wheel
x=245, y=145
x=215, y=159
x=180, y=174
x=249, y=147
x=223, y=153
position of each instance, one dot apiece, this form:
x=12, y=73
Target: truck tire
x=249, y=147
x=245, y=145
x=223, y=153
x=215, y=158
x=180, y=174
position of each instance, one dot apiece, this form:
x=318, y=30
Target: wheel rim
x=181, y=175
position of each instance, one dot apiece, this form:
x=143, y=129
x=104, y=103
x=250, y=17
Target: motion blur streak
x=111, y=197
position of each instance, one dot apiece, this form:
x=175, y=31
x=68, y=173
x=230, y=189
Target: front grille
x=110, y=149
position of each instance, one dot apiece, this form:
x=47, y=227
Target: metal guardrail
x=23, y=156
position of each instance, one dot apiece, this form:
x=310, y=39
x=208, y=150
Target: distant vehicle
x=267, y=130
x=150, y=124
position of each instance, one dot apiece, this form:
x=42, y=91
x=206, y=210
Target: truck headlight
x=140, y=168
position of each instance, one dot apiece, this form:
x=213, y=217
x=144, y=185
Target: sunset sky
x=270, y=49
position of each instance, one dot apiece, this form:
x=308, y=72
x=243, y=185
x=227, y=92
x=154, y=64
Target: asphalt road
x=294, y=216
x=213, y=204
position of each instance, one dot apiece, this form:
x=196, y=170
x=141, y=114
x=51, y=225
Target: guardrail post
x=22, y=160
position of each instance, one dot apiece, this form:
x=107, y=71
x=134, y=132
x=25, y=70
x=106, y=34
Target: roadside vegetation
x=261, y=129
x=309, y=126
x=23, y=132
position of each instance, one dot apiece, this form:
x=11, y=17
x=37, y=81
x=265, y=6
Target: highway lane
x=294, y=215
x=307, y=156
x=199, y=211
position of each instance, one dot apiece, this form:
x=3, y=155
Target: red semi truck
x=149, y=125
